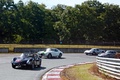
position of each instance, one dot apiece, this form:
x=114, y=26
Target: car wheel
x=39, y=64
x=13, y=66
x=40, y=56
x=93, y=53
x=86, y=53
x=49, y=55
x=60, y=55
x=32, y=66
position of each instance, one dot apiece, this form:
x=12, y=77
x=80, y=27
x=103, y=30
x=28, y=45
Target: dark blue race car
x=29, y=60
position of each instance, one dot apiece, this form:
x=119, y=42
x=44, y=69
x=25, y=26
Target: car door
x=112, y=55
x=52, y=51
x=56, y=52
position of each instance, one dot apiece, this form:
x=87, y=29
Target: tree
x=7, y=21
x=91, y=19
x=60, y=24
x=112, y=22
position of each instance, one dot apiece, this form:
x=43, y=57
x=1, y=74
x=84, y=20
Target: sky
x=51, y=3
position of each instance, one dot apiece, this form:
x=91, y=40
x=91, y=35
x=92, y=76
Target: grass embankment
x=83, y=72
x=12, y=46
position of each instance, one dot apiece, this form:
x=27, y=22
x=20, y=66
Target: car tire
x=40, y=56
x=86, y=53
x=39, y=64
x=60, y=55
x=32, y=66
x=49, y=56
x=93, y=53
x=13, y=66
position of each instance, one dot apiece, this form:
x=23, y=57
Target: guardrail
x=109, y=66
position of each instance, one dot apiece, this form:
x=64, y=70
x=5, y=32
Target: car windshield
x=25, y=55
x=48, y=49
x=92, y=49
x=109, y=51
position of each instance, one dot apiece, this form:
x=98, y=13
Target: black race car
x=29, y=60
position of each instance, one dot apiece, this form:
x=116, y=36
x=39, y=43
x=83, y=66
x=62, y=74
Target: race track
x=8, y=73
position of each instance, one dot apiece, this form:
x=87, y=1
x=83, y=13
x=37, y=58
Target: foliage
x=91, y=21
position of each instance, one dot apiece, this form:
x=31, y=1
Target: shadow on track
x=35, y=69
x=55, y=58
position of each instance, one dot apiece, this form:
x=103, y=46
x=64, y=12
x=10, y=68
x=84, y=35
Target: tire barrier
x=4, y=50
x=65, y=50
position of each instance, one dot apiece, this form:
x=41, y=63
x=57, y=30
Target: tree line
x=91, y=21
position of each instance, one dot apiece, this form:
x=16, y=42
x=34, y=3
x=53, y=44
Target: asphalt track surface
x=8, y=73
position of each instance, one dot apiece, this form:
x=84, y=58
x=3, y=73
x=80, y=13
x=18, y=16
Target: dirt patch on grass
x=77, y=72
x=71, y=73
x=67, y=74
x=95, y=71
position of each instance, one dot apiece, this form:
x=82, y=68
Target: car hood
x=22, y=59
x=101, y=55
x=41, y=52
x=87, y=50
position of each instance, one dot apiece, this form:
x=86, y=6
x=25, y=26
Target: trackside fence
x=109, y=66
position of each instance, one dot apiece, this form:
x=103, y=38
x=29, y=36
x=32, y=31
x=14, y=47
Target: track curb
x=54, y=74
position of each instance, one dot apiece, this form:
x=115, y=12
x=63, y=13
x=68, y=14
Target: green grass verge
x=84, y=72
